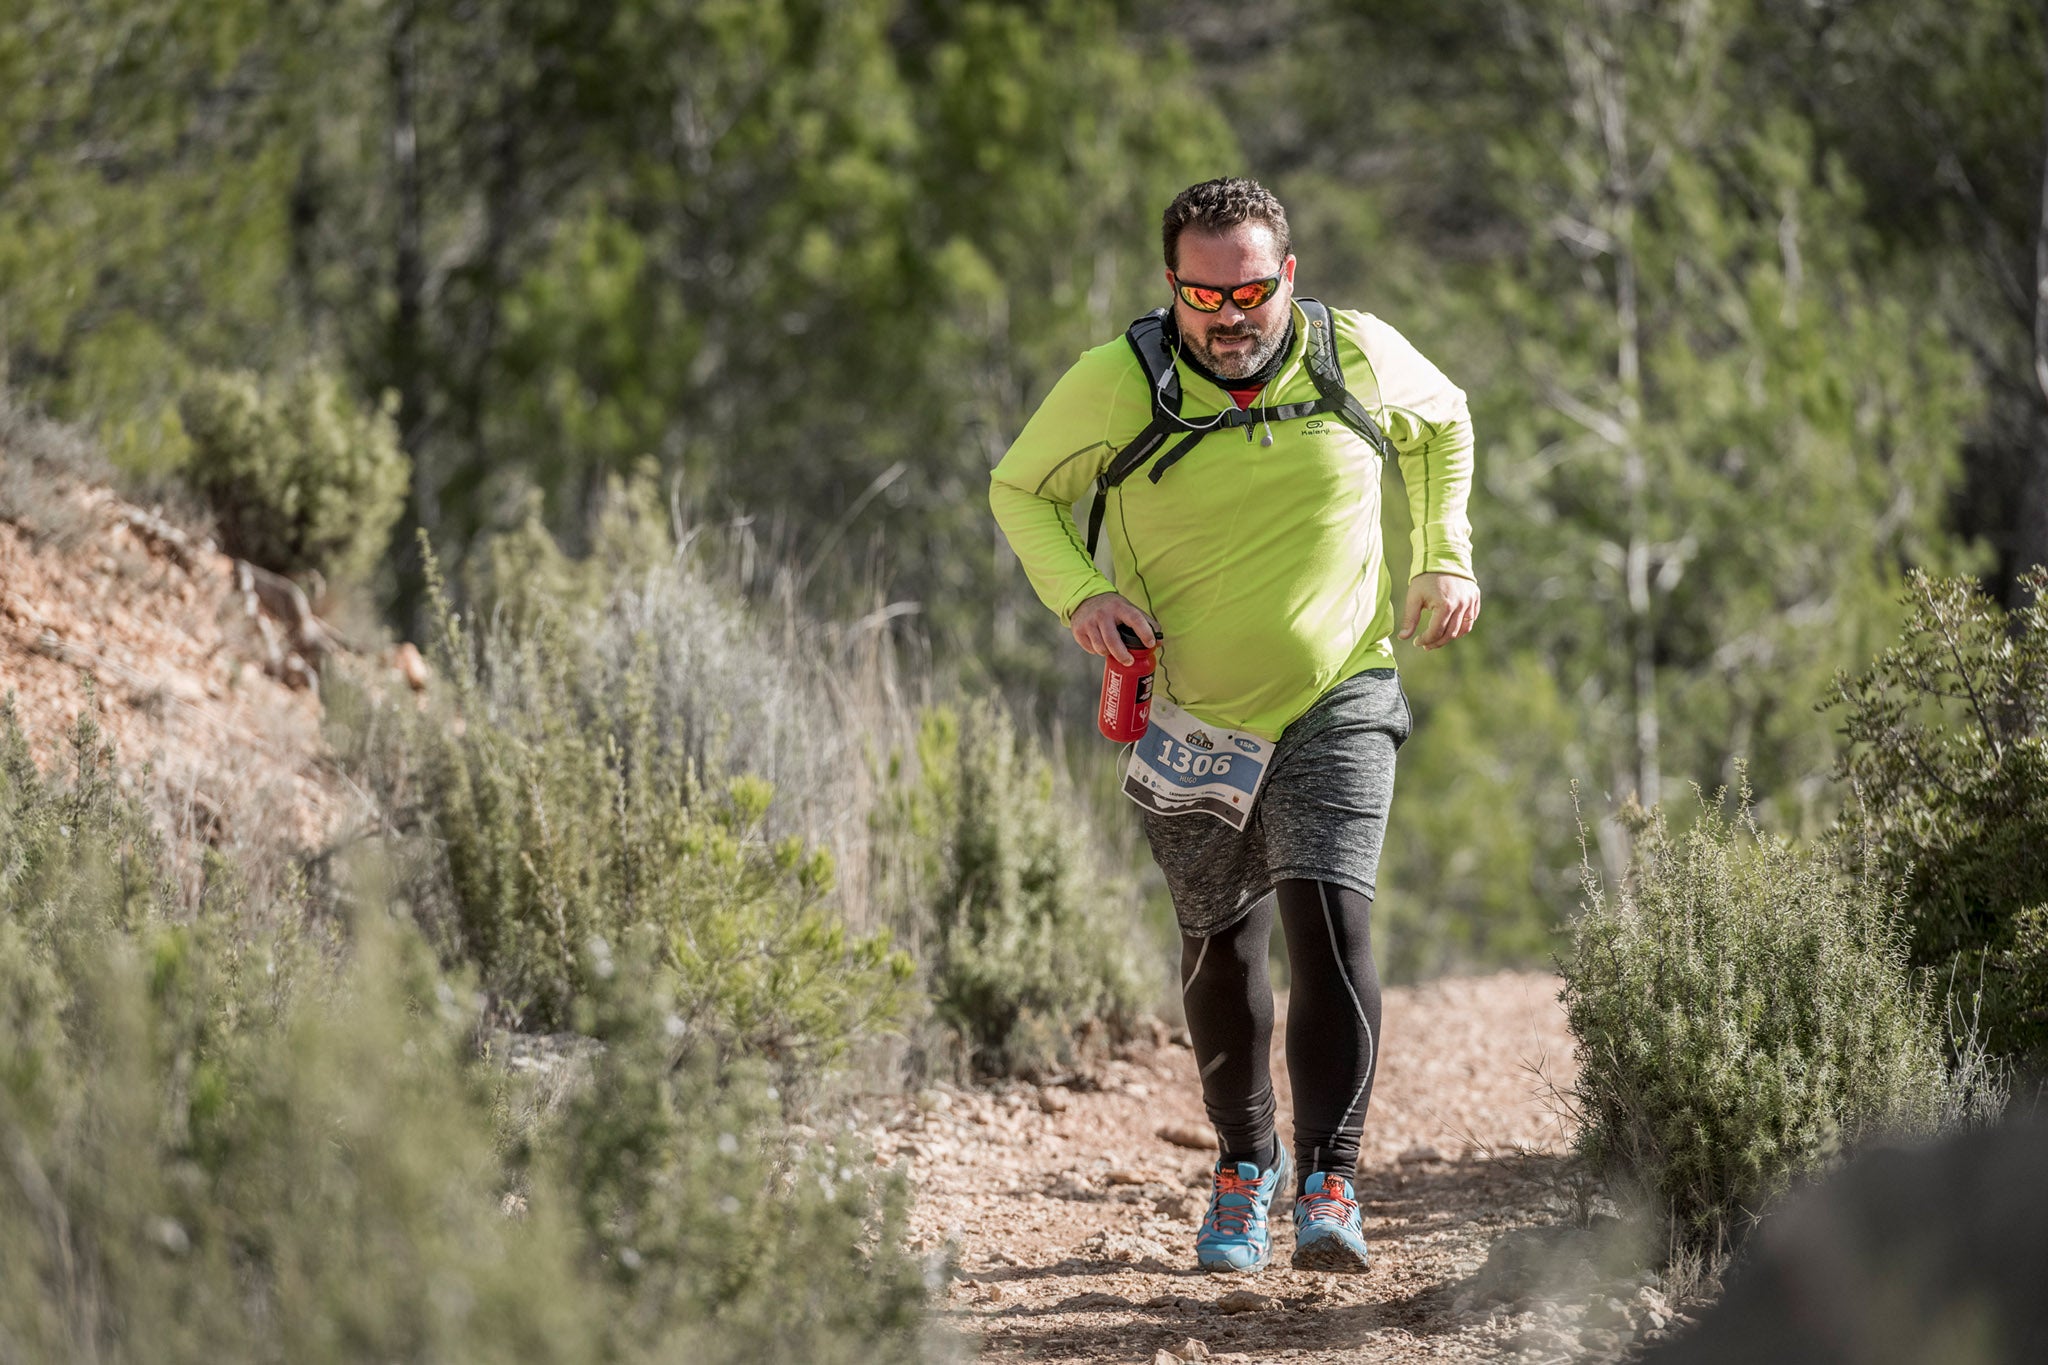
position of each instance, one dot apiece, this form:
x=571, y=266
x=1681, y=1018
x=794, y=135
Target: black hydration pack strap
x=1155, y=341
x=1328, y=375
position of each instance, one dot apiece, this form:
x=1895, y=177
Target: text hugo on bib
x=1181, y=766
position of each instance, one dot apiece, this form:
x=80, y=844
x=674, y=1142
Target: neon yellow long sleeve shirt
x=1264, y=565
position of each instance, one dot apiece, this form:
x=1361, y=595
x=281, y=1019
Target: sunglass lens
x=1206, y=300
x=1250, y=296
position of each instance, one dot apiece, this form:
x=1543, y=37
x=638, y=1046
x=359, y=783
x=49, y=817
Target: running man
x=1257, y=566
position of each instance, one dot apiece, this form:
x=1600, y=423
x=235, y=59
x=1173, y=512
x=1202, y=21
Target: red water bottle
x=1127, y=690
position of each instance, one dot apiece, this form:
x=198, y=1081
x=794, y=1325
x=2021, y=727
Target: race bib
x=1184, y=767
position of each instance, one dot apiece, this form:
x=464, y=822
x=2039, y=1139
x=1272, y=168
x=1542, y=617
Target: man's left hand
x=1452, y=603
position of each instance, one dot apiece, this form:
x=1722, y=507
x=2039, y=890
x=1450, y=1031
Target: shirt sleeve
x=1053, y=465
x=1426, y=417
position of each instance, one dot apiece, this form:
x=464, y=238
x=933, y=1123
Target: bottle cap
x=1132, y=639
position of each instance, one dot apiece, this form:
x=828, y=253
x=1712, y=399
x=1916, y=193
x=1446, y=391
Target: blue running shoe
x=1234, y=1234
x=1329, y=1233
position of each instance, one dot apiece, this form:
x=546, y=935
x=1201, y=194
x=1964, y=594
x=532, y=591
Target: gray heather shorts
x=1321, y=815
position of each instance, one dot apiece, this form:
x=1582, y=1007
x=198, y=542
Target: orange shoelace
x=1232, y=1218
x=1328, y=1202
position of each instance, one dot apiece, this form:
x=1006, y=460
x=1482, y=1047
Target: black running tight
x=1333, y=1025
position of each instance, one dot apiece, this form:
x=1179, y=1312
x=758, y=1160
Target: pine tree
x=1729, y=432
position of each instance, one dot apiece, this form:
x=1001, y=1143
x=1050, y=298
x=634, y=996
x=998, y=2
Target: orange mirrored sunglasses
x=1208, y=298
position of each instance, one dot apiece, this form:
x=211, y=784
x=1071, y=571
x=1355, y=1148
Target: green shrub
x=733, y=685
x=703, y=1208
x=211, y=1156
x=299, y=476
x=1948, y=764
x=1743, y=1014
x=1036, y=937
x=75, y=854
x=230, y=1148
x=561, y=823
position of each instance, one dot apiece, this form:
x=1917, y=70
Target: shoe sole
x=1221, y=1268
x=1332, y=1257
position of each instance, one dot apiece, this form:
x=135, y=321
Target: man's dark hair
x=1216, y=206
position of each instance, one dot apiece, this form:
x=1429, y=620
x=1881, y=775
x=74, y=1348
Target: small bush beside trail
x=563, y=827
x=1036, y=936
x=300, y=476
x=1948, y=764
x=722, y=1233
x=1744, y=1015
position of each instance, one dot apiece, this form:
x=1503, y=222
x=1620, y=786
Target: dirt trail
x=1075, y=1220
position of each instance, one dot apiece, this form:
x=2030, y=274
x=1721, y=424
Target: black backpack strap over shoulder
x=1328, y=373
x=1153, y=339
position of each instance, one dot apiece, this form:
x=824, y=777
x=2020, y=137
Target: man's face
x=1232, y=343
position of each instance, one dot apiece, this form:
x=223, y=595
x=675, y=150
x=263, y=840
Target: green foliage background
x=1742, y=291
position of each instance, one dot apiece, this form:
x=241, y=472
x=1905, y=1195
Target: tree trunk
x=408, y=273
x=2030, y=538
x=405, y=346
x=1621, y=192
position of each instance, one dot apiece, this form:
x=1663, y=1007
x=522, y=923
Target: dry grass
x=42, y=464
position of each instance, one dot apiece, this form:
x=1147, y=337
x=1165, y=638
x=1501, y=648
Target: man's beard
x=1238, y=364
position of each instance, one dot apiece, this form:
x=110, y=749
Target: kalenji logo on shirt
x=1316, y=426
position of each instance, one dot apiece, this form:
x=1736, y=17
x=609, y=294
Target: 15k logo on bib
x=1184, y=767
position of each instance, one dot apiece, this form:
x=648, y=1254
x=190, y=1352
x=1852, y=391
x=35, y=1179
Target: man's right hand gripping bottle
x=1126, y=708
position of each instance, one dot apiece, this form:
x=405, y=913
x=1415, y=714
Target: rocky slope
x=195, y=679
